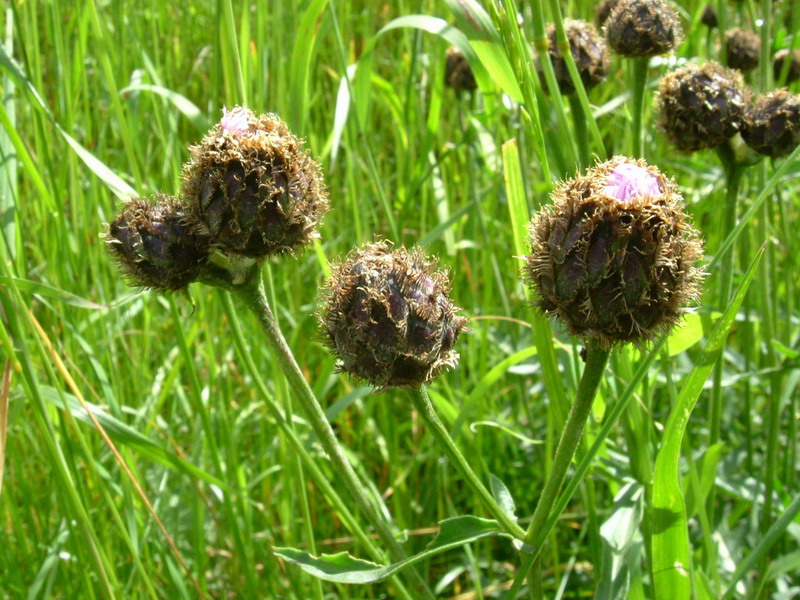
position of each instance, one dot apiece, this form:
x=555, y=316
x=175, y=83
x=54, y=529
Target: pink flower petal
x=236, y=121
x=628, y=182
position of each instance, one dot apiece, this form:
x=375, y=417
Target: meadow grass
x=143, y=458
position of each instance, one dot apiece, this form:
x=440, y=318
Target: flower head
x=772, y=124
x=389, y=318
x=154, y=244
x=642, y=28
x=252, y=189
x=588, y=49
x=614, y=257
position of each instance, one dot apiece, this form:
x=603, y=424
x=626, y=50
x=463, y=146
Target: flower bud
x=701, y=106
x=614, y=257
x=388, y=317
x=742, y=48
x=251, y=187
x=587, y=48
x=793, y=71
x=642, y=28
x=155, y=246
x=709, y=16
x=603, y=9
x=772, y=124
x=457, y=72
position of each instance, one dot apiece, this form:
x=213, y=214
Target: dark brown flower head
x=154, y=245
x=701, y=106
x=388, y=317
x=457, y=73
x=603, y=9
x=772, y=124
x=614, y=257
x=793, y=70
x=587, y=48
x=643, y=28
x=251, y=187
x=742, y=48
x=709, y=16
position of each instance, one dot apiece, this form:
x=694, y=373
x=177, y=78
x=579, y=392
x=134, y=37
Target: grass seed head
x=793, y=72
x=154, y=244
x=772, y=124
x=588, y=49
x=457, y=72
x=614, y=256
x=701, y=106
x=643, y=28
x=252, y=188
x=709, y=16
x=388, y=317
x=742, y=48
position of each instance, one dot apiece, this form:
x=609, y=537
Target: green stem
x=252, y=295
x=639, y=85
x=596, y=360
x=734, y=178
x=579, y=123
x=319, y=478
x=423, y=405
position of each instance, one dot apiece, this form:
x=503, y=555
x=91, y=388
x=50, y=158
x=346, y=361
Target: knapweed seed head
x=614, y=256
x=709, y=16
x=603, y=9
x=793, y=71
x=701, y=106
x=252, y=188
x=154, y=244
x=588, y=49
x=642, y=28
x=457, y=72
x=742, y=48
x=388, y=317
x=772, y=124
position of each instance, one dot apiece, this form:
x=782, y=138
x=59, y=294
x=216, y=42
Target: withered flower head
x=643, y=28
x=388, y=316
x=154, y=245
x=701, y=106
x=603, y=9
x=251, y=187
x=772, y=124
x=793, y=70
x=587, y=48
x=742, y=48
x=614, y=257
x=457, y=72
x=709, y=16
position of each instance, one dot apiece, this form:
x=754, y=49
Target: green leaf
x=479, y=29
x=344, y=568
x=621, y=543
x=688, y=332
x=185, y=106
x=123, y=434
x=671, y=557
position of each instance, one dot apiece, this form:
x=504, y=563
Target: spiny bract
x=388, y=316
x=614, y=256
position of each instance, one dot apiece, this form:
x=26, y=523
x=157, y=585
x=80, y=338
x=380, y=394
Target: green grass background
x=98, y=97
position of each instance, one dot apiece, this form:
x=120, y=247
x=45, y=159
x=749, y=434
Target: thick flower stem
x=251, y=293
x=596, y=360
x=423, y=405
x=639, y=85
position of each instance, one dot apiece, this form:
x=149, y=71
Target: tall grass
x=141, y=456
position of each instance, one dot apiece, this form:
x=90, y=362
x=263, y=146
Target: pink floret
x=628, y=182
x=235, y=121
